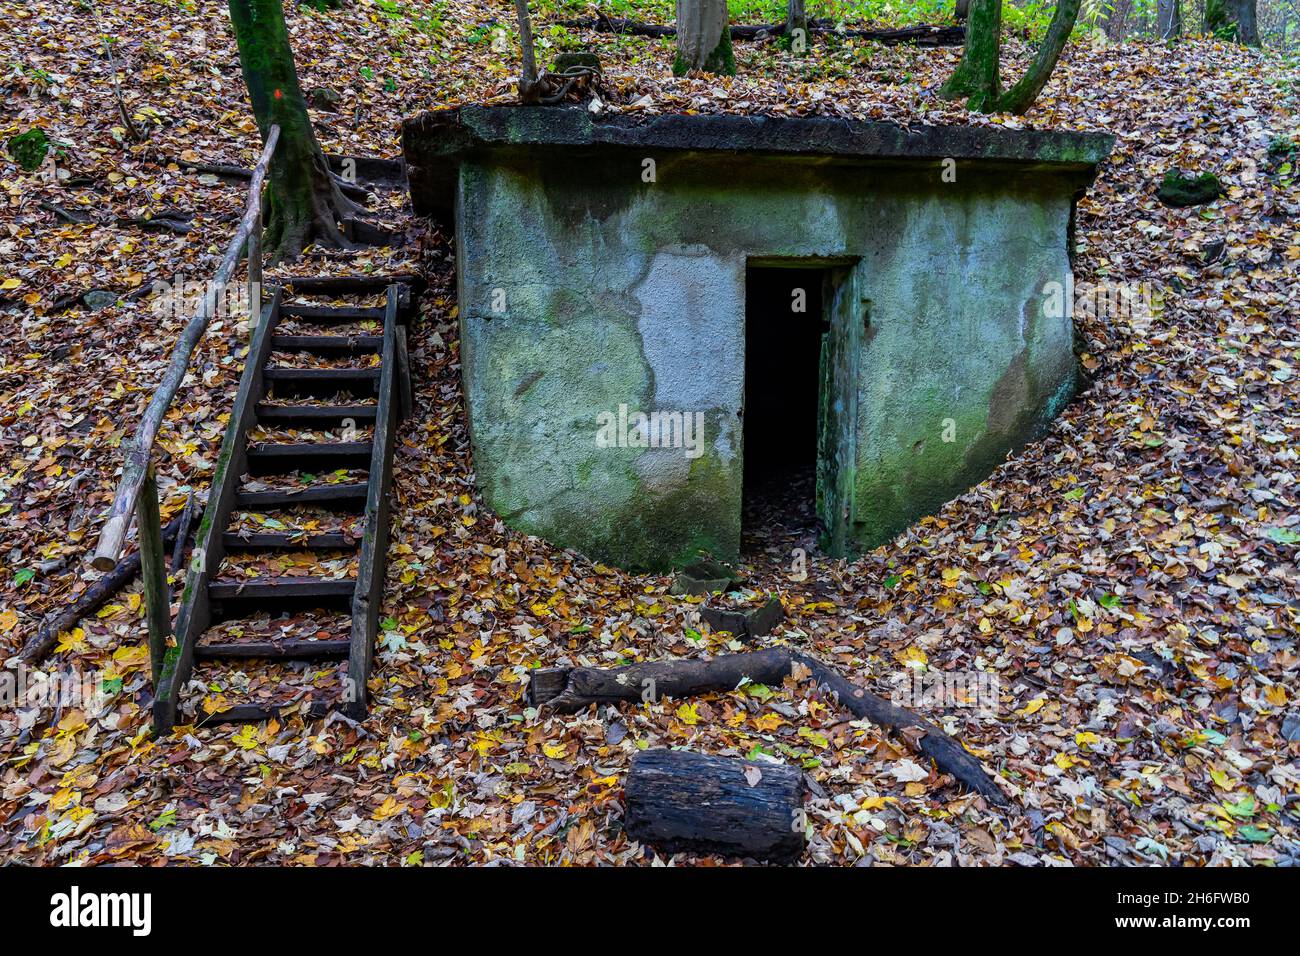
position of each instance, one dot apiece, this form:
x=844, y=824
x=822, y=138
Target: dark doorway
x=784, y=325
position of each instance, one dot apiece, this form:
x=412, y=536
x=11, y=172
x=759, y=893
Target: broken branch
x=569, y=689
x=93, y=598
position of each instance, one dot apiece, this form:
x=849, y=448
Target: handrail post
x=255, y=270
x=247, y=236
x=153, y=571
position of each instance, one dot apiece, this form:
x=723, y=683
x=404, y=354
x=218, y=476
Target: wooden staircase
x=210, y=597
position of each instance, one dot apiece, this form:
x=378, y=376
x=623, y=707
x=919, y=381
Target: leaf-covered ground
x=1130, y=578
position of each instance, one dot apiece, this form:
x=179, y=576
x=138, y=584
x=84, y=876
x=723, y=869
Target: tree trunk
x=1169, y=18
x=1115, y=21
x=961, y=11
x=1232, y=20
x=681, y=801
x=1020, y=97
x=1243, y=13
x=976, y=76
x=796, y=25
x=703, y=39
x=305, y=202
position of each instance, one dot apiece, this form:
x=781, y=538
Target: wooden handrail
x=135, y=468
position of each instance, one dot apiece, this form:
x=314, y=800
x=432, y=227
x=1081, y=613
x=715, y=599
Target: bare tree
x=1169, y=19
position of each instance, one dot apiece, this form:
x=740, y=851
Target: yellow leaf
x=11, y=283
x=1276, y=695
x=912, y=655
x=8, y=621
x=246, y=738
x=951, y=576
x=389, y=808
x=555, y=751
x=1033, y=707
x=688, y=715
x=768, y=722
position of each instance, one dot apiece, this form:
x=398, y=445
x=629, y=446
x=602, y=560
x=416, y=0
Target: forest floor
x=1130, y=579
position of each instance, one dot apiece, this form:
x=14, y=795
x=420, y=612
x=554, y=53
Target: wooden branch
x=122, y=111
x=113, y=534
x=90, y=600
x=569, y=689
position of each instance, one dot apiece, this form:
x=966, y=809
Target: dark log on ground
x=568, y=689
x=678, y=801
x=923, y=35
x=91, y=599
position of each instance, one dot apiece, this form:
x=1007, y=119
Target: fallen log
x=91, y=599
x=923, y=35
x=679, y=801
x=569, y=689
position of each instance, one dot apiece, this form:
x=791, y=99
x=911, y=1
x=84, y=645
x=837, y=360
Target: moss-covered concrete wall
x=584, y=287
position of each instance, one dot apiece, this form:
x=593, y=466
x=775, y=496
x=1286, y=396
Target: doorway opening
x=786, y=323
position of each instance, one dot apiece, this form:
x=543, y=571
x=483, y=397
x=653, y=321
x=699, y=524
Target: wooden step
x=321, y=381
x=350, y=285
x=257, y=713
x=331, y=314
x=282, y=458
x=315, y=416
x=282, y=541
x=276, y=595
x=341, y=496
x=283, y=586
x=275, y=650
x=329, y=344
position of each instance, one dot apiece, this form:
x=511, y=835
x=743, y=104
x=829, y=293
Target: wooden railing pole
x=113, y=534
x=255, y=271
x=153, y=569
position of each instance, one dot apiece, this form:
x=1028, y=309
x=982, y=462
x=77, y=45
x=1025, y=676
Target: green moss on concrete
x=623, y=292
x=722, y=59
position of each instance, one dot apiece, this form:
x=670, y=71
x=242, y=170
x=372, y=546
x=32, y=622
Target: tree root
x=569, y=689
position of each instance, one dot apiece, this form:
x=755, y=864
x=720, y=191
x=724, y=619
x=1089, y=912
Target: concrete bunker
x=627, y=289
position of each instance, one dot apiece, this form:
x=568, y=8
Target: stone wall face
x=584, y=288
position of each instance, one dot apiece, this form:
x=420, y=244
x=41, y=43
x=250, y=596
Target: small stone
x=1180, y=191
x=97, y=299
x=567, y=61
x=704, y=577
x=324, y=98
x=745, y=625
x=28, y=149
